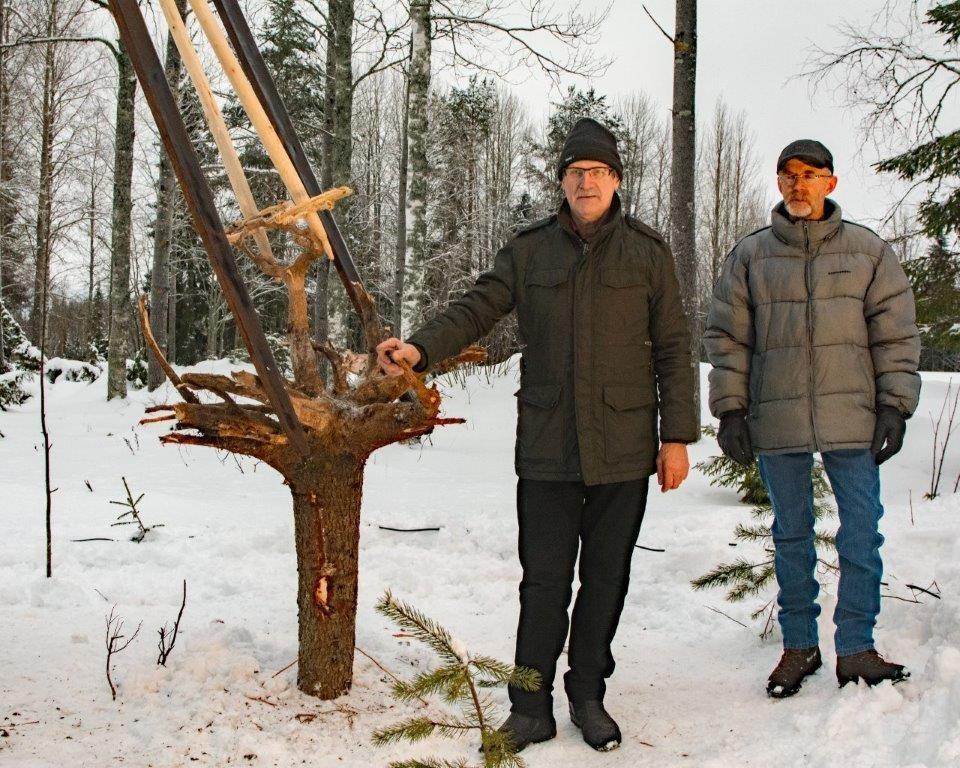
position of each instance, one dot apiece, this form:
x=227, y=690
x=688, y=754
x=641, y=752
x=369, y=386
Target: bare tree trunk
x=683, y=174
x=337, y=137
x=45, y=196
x=91, y=253
x=6, y=216
x=417, y=126
x=163, y=227
x=326, y=510
x=172, y=313
x=400, y=260
x=120, y=226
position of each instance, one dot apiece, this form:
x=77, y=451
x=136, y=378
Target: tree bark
x=91, y=253
x=120, y=226
x=683, y=174
x=6, y=204
x=163, y=226
x=326, y=508
x=400, y=261
x=417, y=126
x=45, y=193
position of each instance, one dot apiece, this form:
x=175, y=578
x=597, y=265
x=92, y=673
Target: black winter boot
x=869, y=666
x=795, y=665
x=523, y=730
x=599, y=730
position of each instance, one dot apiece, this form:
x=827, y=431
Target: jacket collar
x=803, y=233
x=610, y=220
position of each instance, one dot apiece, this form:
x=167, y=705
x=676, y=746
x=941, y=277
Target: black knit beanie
x=589, y=140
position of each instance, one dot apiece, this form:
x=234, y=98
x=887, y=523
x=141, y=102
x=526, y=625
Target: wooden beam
x=206, y=220
x=254, y=67
x=261, y=123
x=214, y=117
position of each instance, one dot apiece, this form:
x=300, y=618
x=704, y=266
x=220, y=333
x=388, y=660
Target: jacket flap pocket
x=540, y=395
x=626, y=397
x=622, y=277
x=547, y=277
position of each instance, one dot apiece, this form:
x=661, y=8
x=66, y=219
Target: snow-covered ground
x=689, y=685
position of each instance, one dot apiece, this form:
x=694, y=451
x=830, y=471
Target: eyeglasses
x=790, y=179
x=596, y=173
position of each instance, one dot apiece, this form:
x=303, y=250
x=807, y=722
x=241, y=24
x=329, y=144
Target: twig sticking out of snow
x=169, y=638
x=115, y=645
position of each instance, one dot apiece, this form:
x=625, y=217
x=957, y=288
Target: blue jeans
x=855, y=479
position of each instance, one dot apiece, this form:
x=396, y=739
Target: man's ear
x=832, y=184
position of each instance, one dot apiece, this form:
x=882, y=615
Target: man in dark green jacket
x=606, y=349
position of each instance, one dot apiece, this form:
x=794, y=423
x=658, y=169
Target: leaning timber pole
x=317, y=434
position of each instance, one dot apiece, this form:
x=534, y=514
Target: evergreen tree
x=462, y=680
x=542, y=164
x=748, y=577
x=293, y=52
x=936, y=162
x=935, y=279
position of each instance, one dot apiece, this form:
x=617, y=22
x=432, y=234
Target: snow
x=689, y=684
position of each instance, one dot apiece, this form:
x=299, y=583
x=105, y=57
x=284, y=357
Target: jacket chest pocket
x=540, y=422
x=545, y=308
x=629, y=425
x=623, y=302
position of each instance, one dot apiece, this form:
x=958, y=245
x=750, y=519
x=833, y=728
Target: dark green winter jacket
x=811, y=329
x=605, y=347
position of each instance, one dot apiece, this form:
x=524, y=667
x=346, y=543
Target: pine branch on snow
x=458, y=681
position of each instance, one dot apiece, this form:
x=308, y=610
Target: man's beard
x=799, y=209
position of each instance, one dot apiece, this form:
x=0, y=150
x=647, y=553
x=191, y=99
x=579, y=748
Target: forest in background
x=91, y=216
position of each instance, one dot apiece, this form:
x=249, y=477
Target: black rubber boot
x=795, y=665
x=870, y=667
x=599, y=730
x=523, y=730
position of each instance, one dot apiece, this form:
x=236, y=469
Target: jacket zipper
x=808, y=268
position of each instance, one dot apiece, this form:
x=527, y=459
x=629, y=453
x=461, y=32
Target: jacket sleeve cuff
x=424, y=360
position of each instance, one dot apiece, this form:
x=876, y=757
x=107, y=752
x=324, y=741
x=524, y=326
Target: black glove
x=734, y=437
x=889, y=429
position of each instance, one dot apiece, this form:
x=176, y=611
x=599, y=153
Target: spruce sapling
x=133, y=513
x=461, y=680
x=743, y=577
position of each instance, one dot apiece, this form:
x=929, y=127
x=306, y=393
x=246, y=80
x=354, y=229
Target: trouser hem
x=794, y=645
x=855, y=649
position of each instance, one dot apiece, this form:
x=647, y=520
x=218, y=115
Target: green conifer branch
x=459, y=681
x=430, y=762
x=752, y=532
x=424, y=629
x=445, y=681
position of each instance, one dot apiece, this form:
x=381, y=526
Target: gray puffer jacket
x=812, y=326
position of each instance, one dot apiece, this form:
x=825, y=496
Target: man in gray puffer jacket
x=814, y=345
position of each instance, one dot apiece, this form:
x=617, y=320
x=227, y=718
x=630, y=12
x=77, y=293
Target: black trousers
x=555, y=517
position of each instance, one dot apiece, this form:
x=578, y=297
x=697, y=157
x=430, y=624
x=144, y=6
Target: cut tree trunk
x=318, y=440
x=326, y=510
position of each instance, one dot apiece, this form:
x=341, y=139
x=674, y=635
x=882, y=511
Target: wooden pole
x=261, y=123
x=218, y=127
x=254, y=67
x=206, y=220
